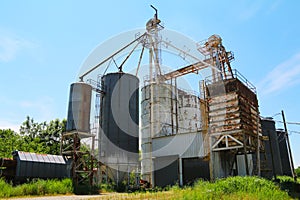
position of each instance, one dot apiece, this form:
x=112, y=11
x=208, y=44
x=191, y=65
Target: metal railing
x=237, y=75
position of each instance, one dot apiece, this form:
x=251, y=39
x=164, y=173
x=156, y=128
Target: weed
x=36, y=187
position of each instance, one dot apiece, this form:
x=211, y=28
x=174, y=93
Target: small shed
x=44, y=166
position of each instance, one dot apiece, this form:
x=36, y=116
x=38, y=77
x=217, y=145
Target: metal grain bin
x=284, y=153
x=119, y=122
x=271, y=147
x=79, y=107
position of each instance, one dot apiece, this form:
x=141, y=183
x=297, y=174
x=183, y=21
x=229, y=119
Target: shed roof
x=35, y=157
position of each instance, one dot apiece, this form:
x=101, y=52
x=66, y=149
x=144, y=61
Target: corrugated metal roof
x=45, y=158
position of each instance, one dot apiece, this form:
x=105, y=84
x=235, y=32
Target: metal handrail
x=237, y=75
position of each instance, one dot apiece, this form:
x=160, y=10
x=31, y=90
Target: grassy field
x=229, y=188
x=36, y=187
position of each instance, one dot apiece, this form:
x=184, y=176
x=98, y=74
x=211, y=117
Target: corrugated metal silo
x=284, y=153
x=119, y=123
x=271, y=148
x=79, y=107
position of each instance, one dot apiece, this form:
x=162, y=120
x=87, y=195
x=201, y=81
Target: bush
x=288, y=184
x=36, y=187
x=298, y=172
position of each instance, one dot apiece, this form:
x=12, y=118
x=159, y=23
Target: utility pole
x=289, y=146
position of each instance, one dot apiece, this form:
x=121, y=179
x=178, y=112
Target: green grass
x=236, y=188
x=36, y=187
x=229, y=188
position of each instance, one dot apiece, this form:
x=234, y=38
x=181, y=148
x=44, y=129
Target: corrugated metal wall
x=32, y=165
x=166, y=171
x=185, y=145
x=119, y=122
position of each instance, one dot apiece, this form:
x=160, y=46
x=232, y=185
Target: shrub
x=298, y=172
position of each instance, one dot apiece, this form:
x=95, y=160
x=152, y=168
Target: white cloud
x=11, y=46
x=283, y=76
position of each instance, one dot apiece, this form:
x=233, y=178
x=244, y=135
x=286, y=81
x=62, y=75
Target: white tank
x=164, y=108
x=189, y=112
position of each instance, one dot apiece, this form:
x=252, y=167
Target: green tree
x=42, y=137
x=9, y=141
x=298, y=172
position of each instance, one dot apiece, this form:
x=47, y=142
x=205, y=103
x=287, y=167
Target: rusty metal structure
x=78, y=129
x=219, y=128
x=233, y=125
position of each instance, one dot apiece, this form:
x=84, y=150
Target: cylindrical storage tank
x=164, y=109
x=284, y=153
x=119, y=123
x=189, y=112
x=271, y=147
x=79, y=107
x=164, y=120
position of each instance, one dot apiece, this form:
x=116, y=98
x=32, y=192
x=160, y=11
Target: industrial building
x=182, y=135
x=165, y=134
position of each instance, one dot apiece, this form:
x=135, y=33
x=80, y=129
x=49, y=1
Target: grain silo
x=78, y=128
x=188, y=111
x=163, y=104
x=284, y=153
x=119, y=125
x=171, y=140
x=271, y=148
x=79, y=107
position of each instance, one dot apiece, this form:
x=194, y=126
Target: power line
x=294, y=123
x=298, y=132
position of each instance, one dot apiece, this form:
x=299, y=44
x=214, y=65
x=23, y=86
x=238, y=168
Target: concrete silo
x=171, y=140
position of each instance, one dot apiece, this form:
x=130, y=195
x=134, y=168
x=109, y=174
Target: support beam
x=245, y=155
x=180, y=172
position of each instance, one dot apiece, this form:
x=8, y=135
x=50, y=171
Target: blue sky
x=44, y=43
